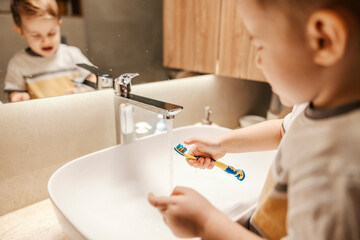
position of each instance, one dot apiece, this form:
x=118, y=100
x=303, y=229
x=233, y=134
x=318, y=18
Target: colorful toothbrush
x=238, y=173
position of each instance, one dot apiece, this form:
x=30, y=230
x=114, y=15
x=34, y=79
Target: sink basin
x=103, y=195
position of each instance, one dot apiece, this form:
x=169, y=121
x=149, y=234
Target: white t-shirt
x=297, y=109
x=313, y=187
x=28, y=66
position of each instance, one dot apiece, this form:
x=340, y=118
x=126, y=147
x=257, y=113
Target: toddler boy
x=44, y=68
x=309, y=52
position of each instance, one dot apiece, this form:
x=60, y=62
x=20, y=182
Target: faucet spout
x=168, y=110
x=123, y=95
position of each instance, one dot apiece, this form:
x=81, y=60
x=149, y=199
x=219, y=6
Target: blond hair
x=33, y=8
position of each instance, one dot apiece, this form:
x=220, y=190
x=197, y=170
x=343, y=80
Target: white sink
x=104, y=195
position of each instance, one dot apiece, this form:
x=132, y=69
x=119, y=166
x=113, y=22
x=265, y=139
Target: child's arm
x=260, y=137
x=18, y=96
x=188, y=214
x=14, y=82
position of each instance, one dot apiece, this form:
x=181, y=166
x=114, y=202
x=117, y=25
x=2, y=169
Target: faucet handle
x=122, y=84
x=126, y=78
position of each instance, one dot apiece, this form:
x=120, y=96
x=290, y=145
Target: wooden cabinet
x=236, y=53
x=69, y=7
x=208, y=36
x=190, y=34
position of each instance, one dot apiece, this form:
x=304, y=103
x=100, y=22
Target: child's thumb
x=192, y=141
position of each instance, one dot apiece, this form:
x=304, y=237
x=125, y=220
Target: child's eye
x=37, y=36
x=51, y=34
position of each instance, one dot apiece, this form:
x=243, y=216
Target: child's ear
x=327, y=33
x=18, y=30
x=60, y=22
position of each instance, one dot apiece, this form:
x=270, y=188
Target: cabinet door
x=236, y=54
x=191, y=34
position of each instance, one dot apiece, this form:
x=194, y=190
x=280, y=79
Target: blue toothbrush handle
x=238, y=173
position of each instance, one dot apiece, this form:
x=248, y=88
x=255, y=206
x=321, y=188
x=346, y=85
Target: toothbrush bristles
x=181, y=148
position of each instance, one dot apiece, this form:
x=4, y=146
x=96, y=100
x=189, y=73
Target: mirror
x=117, y=36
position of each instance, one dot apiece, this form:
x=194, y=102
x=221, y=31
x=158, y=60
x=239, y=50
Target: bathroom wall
x=39, y=136
x=73, y=30
x=228, y=98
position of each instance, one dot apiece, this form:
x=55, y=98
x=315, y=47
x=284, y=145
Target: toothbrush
x=238, y=173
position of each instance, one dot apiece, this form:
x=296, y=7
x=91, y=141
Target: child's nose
x=46, y=40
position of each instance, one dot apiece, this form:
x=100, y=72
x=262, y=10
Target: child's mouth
x=47, y=49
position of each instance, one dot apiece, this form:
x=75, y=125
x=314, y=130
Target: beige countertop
x=37, y=221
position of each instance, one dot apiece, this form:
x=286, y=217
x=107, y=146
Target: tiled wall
x=39, y=136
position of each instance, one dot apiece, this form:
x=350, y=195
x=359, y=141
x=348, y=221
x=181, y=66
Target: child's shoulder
x=19, y=54
x=329, y=135
x=19, y=58
x=72, y=51
x=68, y=48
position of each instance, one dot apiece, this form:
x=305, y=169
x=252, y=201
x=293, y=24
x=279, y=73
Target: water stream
x=169, y=128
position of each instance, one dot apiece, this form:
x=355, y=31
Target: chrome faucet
x=124, y=100
x=103, y=79
x=123, y=111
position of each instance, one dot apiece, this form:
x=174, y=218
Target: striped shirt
x=26, y=67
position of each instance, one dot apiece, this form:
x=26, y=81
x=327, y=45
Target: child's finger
x=191, y=162
x=201, y=162
x=180, y=190
x=192, y=140
x=26, y=96
x=159, y=202
x=207, y=163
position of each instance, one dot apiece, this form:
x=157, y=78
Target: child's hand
x=185, y=211
x=207, y=148
x=19, y=96
x=91, y=78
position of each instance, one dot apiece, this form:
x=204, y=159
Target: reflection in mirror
x=117, y=36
